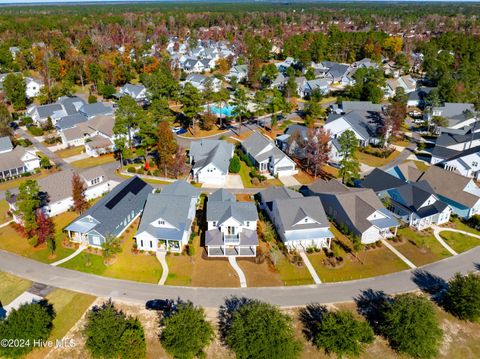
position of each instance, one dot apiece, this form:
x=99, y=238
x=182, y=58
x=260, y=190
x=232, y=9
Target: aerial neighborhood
x=153, y=149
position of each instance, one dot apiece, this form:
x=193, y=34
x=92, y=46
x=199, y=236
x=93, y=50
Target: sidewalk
x=310, y=268
x=233, y=262
x=161, y=256
x=74, y=254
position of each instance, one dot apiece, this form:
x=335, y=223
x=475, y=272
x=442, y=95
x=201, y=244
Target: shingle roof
x=379, y=180
x=361, y=105
x=12, y=159
x=98, y=108
x=46, y=111
x=256, y=144
x=216, y=152
x=366, y=124
x=71, y=104
x=133, y=90
x=116, y=205
x=293, y=211
x=181, y=188
x=70, y=121
x=278, y=192
x=222, y=211
x=5, y=144
x=221, y=195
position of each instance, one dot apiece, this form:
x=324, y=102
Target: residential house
x=406, y=82
x=339, y=73
x=415, y=203
x=457, y=115
x=266, y=157
x=453, y=143
x=15, y=161
x=279, y=82
x=284, y=65
x=181, y=188
x=418, y=98
x=166, y=222
x=307, y=87
x=231, y=226
x=465, y=163
x=96, y=109
x=365, y=63
x=357, y=209
x=200, y=82
x=290, y=142
x=240, y=72
x=56, y=190
x=210, y=160
x=137, y=92
x=112, y=214
x=33, y=87
x=268, y=195
x=64, y=106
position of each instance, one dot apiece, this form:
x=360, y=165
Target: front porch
x=235, y=251
x=167, y=245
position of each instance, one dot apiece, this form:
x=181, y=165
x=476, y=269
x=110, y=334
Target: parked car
x=159, y=304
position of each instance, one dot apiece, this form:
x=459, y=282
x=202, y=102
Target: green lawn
x=69, y=152
x=4, y=211
x=12, y=241
x=11, y=287
x=458, y=224
x=247, y=180
x=460, y=242
x=374, y=161
x=180, y=269
x=420, y=247
x=292, y=274
x=127, y=265
x=94, y=161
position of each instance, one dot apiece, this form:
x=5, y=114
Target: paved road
x=213, y=297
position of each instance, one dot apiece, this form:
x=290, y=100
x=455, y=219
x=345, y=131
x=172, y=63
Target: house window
x=151, y=244
x=141, y=243
x=306, y=220
x=474, y=164
x=247, y=224
x=161, y=222
x=96, y=240
x=231, y=230
x=214, y=223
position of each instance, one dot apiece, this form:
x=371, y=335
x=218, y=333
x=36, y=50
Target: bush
x=156, y=173
x=29, y=322
x=411, y=326
x=111, y=334
x=140, y=171
x=462, y=297
x=235, y=165
x=25, y=121
x=131, y=169
x=259, y=330
x=474, y=222
x=92, y=99
x=186, y=331
x=381, y=153
x=107, y=91
x=35, y=131
x=45, y=162
x=342, y=334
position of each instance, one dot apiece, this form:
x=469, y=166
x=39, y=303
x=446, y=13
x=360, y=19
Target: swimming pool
x=225, y=111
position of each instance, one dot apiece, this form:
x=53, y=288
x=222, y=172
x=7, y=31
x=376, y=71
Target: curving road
x=214, y=297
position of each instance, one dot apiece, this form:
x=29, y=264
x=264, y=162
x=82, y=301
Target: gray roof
x=46, y=111
x=216, y=152
x=173, y=209
x=13, y=159
x=338, y=70
x=302, y=130
x=256, y=144
x=5, y=144
x=70, y=121
x=71, y=104
x=451, y=139
x=293, y=211
x=277, y=192
x=129, y=195
x=415, y=194
x=379, y=180
x=98, y=108
x=197, y=78
x=241, y=211
x=221, y=195
x=366, y=124
x=361, y=105
x=132, y=90
x=420, y=93
x=454, y=110
x=181, y=188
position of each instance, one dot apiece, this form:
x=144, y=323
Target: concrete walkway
x=233, y=262
x=161, y=256
x=78, y=157
x=437, y=230
x=398, y=254
x=6, y=223
x=310, y=268
x=74, y=254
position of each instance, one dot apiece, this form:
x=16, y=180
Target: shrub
x=156, y=173
x=107, y=91
x=25, y=121
x=45, y=162
x=186, y=331
x=411, y=326
x=35, y=131
x=92, y=99
x=29, y=322
x=462, y=297
x=191, y=250
x=140, y=171
x=259, y=330
x=131, y=169
x=235, y=165
x=111, y=334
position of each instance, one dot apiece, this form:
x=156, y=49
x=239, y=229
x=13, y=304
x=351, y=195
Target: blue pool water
x=226, y=111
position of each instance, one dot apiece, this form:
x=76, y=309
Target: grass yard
x=400, y=141
x=247, y=180
x=460, y=242
x=127, y=265
x=180, y=269
x=69, y=307
x=304, y=178
x=199, y=133
x=458, y=224
x=259, y=274
x=148, y=180
x=12, y=241
x=291, y=274
x=422, y=166
x=4, y=217
x=374, y=161
x=94, y=161
x=69, y=152
x=330, y=171
x=11, y=287
x=420, y=247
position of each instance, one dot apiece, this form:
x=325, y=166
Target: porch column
x=395, y=234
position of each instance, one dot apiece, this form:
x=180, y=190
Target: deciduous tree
x=15, y=86
x=28, y=201
x=166, y=146
x=80, y=203
x=45, y=231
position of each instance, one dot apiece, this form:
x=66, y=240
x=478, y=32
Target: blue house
x=112, y=214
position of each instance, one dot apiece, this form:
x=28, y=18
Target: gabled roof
x=302, y=130
x=70, y=121
x=5, y=144
x=292, y=212
x=464, y=153
x=115, y=206
x=221, y=195
x=71, y=104
x=361, y=105
x=450, y=185
x=364, y=123
x=221, y=211
x=216, y=152
x=181, y=188
x=409, y=171
x=278, y=192
x=13, y=158
x=257, y=143
x=331, y=186
x=46, y=111
x=379, y=180
x=133, y=90
x=98, y=108
x=338, y=70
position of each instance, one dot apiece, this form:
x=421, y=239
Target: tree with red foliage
x=179, y=162
x=396, y=114
x=317, y=149
x=45, y=232
x=80, y=204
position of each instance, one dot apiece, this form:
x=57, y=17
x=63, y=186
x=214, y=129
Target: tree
x=240, y=103
x=316, y=148
x=186, y=331
x=15, y=86
x=235, y=165
x=45, y=232
x=259, y=330
x=191, y=99
x=5, y=119
x=30, y=322
x=411, y=326
x=222, y=98
x=179, y=162
x=207, y=121
x=111, y=334
x=340, y=333
x=28, y=201
x=462, y=297
x=396, y=114
x=349, y=165
x=270, y=72
x=127, y=116
x=80, y=204
x=166, y=146
x=313, y=111
x=110, y=247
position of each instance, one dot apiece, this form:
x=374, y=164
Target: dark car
x=159, y=304
x=14, y=125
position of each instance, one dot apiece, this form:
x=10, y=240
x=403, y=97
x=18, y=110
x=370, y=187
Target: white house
x=33, y=87
x=16, y=161
x=210, y=160
x=200, y=82
x=240, y=72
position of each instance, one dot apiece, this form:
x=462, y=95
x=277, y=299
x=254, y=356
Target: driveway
x=232, y=182
x=289, y=181
x=213, y=297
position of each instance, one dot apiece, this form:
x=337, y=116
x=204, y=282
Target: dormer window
x=214, y=223
x=306, y=220
x=161, y=222
x=474, y=164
